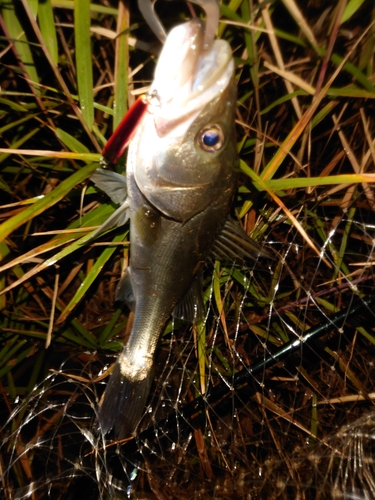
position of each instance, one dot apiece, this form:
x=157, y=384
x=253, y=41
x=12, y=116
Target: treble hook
x=211, y=8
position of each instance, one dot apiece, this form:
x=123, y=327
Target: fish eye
x=210, y=138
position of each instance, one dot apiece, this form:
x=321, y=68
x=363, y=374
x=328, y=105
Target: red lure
x=124, y=132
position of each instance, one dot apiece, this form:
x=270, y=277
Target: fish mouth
x=188, y=77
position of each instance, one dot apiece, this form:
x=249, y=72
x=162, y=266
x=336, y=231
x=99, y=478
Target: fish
x=180, y=182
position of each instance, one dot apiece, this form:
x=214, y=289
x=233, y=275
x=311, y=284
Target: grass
x=306, y=90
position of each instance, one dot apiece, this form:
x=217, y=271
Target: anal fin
x=191, y=308
x=124, y=290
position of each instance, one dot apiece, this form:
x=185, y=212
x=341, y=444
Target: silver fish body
x=181, y=178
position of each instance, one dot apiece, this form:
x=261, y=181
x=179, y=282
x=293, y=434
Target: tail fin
x=123, y=404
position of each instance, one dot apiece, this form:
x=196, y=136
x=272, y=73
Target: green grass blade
x=47, y=28
x=17, y=34
x=97, y=8
x=19, y=142
x=34, y=6
x=91, y=277
x=47, y=201
x=52, y=260
x=201, y=341
x=13, y=105
x=15, y=361
x=107, y=333
x=84, y=60
x=301, y=182
x=71, y=142
x=4, y=253
x=93, y=219
x=350, y=9
x=367, y=335
x=229, y=11
x=354, y=71
x=15, y=124
x=120, y=104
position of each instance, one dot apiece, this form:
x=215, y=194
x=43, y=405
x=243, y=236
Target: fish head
x=184, y=156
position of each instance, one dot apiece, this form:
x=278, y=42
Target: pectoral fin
x=112, y=183
x=118, y=218
x=233, y=243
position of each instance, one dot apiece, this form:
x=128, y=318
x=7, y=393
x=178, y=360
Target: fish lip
x=213, y=65
x=205, y=74
x=178, y=60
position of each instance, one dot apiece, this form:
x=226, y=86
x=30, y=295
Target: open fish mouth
x=188, y=77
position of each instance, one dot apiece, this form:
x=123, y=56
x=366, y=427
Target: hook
x=147, y=10
x=211, y=8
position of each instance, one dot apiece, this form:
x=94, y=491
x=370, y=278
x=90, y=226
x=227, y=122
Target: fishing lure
x=121, y=137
